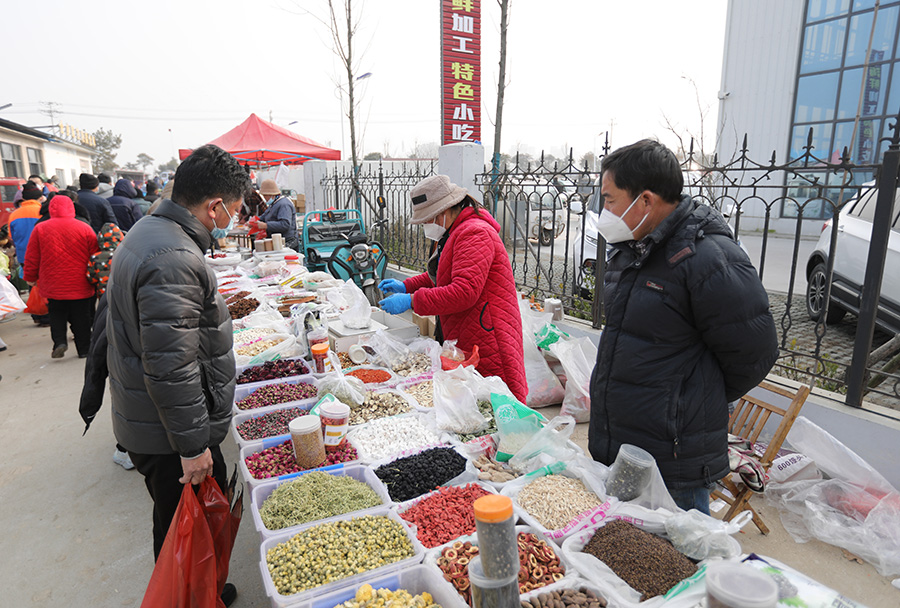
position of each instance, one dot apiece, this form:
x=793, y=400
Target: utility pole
x=270, y=115
x=51, y=109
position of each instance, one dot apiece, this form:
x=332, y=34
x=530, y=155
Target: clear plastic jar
x=497, y=542
x=309, y=447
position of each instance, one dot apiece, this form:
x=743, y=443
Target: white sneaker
x=123, y=459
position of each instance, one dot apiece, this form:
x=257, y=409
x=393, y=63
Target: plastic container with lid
x=357, y=354
x=630, y=473
x=292, y=259
x=335, y=418
x=306, y=435
x=733, y=585
x=488, y=592
x=320, y=357
x=496, y=528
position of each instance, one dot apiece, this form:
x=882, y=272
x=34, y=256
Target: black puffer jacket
x=688, y=329
x=171, y=367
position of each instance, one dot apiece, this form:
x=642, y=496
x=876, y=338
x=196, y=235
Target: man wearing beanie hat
x=468, y=284
x=105, y=190
x=99, y=208
x=280, y=217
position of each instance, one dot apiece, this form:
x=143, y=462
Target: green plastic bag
x=549, y=334
x=516, y=423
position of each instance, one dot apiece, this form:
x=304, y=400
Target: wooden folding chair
x=747, y=421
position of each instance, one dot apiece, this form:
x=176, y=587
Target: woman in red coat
x=58, y=253
x=469, y=283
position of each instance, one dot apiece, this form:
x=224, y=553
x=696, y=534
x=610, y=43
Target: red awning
x=258, y=142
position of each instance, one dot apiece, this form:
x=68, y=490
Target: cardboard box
x=426, y=325
x=300, y=203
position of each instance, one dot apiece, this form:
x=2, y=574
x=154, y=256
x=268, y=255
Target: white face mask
x=613, y=227
x=434, y=231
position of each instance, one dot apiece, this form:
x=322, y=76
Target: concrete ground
x=77, y=529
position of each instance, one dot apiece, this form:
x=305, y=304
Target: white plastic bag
x=388, y=350
x=577, y=357
x=10, y=302
x=427, y=346
x=359, y=312
x=549, y=445
x=700, y=536
x=455, y=406
x=544, y=388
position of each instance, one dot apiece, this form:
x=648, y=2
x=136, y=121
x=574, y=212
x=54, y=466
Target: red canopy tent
x=258, y=142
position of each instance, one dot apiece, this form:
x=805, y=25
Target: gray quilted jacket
x=171, y=367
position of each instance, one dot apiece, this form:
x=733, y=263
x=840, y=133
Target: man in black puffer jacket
x=171, y=367
x=688, y=326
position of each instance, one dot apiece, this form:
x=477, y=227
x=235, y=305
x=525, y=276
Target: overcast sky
x=176, y=74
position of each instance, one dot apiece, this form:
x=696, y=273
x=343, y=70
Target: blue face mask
x=221, y=233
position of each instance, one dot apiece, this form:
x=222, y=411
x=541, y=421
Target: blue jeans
x=692, y=498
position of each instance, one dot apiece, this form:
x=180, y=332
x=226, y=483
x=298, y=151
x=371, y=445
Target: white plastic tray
x=259, y=446
x=280, y=600
x=248, y=414
x=358, y=472
x=243, y=390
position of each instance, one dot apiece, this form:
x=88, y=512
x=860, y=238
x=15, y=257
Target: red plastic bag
x=193, y=564
x=36, y=305
x=471, y=359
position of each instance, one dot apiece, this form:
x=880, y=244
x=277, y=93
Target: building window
x=822, y=9
x=816, y=96
x=882, y=41
x=823, y=46
x=873, y=95
x=35, y=161
x=12, y=160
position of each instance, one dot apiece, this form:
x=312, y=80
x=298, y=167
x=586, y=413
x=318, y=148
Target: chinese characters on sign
x=460, y=71
x=867, y=136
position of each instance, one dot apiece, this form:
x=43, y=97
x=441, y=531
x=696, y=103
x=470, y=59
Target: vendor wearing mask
x=469, y=282
x=280, y=215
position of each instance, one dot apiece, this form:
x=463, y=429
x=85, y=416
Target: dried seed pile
x=345, y=360
x=411, y=476
x=366, y=597
x=332, y=551
x=386, y=436
x=269, y=425
x=245, y=336
x=379, y=405
x=273, y=394
x=555, y=500
x=242, y=307
x=567, y=598
x=412, y=364
x=422, y=392
x=314, y=496
x=259, y=346
x=279, y=460
x=271, y=370
x=491, y=470
x=649, y=564
x=487, y=410
x=445, y=515
x=538, y=564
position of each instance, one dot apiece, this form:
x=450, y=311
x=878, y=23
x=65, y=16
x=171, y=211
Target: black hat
x=88, y=181
x=31, y=191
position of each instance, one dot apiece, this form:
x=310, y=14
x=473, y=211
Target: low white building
x=25, y=151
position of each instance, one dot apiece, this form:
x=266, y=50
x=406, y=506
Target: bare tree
x=501, y=83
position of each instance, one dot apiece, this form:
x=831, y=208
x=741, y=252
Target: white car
x=850, y=259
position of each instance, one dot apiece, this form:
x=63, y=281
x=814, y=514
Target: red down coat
x=476, y=298
x=59, y=251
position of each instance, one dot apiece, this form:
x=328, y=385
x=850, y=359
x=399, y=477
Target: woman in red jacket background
x=469, y=282
x=58, y=253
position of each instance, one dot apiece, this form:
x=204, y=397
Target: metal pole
x=871, y=290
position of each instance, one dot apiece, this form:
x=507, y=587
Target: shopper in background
x=170, y=358
x=58, y=254
x=124, y=206
x=688, y=326
x=151, y=196
x=98, y=207
x=105, y=190
x=21, y=223
x=468, y=284
x=279, y=217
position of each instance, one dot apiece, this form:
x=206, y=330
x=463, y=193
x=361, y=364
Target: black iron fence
x=778, y=211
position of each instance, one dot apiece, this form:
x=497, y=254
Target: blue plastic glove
x=397, y=303
x=392, y=286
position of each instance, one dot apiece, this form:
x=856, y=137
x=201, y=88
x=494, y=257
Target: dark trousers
x=161, y=474
x=79, y=314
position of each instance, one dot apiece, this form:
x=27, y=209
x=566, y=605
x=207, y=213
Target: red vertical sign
x=460, y=71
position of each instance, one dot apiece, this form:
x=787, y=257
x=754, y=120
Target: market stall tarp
x=260, y=142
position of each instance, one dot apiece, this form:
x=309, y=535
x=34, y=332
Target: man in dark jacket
x=96, y=205
x=688, y=326
x=280, y=215
x=127, y=210
x=171, y=367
